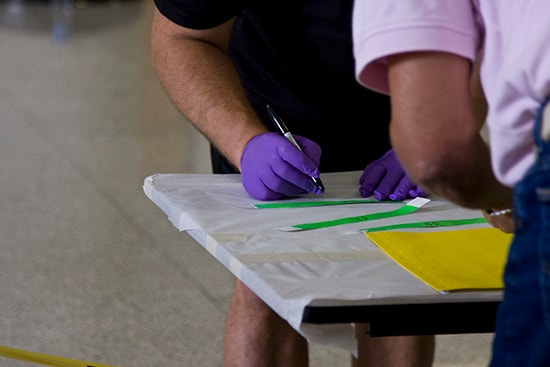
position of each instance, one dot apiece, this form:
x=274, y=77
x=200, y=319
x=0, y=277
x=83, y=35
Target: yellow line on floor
x=45, y=358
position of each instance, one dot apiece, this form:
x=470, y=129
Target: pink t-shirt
x=515, y=71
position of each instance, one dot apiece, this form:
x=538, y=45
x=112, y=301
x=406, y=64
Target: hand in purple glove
x=386, y=179
x=271, y=167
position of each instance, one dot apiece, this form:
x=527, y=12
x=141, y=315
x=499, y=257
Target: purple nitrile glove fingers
x=417, y=192
x=380, y=177
x=386, y=179
x=403, y=189
x=271, y=167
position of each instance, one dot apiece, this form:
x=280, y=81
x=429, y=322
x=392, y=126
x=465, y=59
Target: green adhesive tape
x=428, y=224
x=306, y=204
x=408, y=208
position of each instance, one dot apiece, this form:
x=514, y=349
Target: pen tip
x=318, y=184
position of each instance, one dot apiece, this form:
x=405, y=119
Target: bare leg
x=257, y=336
x=394, y=351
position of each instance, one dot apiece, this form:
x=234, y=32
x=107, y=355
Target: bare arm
x=434, y=132
x=479, y=103
x=201, y=81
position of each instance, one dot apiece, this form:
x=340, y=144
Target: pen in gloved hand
x=286, y=133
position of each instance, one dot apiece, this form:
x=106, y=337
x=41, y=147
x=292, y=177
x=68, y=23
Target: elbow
x=425, y=162
x=427, y=171
x=441, y=175
x=441, y=161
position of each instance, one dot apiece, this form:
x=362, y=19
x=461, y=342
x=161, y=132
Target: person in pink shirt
x=422, y=53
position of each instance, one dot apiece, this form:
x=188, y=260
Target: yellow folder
x=467, y=259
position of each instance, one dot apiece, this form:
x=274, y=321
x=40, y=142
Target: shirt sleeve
x=199, y=14
x=385, y=27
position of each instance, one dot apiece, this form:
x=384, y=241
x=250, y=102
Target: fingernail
x=379, y=196
x=396, y=197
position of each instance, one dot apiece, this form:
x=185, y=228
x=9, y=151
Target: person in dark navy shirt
x=221, y=62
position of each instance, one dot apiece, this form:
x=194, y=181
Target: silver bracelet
x=496, y=213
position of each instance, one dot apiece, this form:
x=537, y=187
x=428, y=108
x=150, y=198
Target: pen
x=286, y=133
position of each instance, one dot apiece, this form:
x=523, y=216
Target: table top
x=295, y=272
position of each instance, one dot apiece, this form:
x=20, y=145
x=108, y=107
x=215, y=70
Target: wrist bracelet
x=496, y=213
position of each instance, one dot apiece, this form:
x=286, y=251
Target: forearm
x=201, y=81
x=479, y=102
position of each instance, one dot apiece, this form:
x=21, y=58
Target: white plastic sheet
x=291, y=270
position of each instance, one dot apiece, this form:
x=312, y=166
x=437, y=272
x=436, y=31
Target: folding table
x=321, y=281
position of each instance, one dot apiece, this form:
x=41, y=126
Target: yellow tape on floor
x=46, y=359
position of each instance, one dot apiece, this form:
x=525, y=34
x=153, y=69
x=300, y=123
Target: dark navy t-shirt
x=297, y=56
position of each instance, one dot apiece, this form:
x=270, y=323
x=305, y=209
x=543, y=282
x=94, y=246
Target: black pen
x=286, y=133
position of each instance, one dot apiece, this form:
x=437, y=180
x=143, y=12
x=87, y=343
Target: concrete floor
x=91, y=269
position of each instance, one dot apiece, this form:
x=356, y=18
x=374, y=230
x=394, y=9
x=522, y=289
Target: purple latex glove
x=386, y=179
x=271, y=167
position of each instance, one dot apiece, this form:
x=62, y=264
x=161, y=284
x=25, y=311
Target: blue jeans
x=522, y=335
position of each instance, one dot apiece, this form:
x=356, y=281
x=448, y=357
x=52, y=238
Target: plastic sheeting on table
x=291, y=270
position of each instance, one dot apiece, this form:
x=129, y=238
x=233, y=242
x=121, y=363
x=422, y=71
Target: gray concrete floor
x=90, y=268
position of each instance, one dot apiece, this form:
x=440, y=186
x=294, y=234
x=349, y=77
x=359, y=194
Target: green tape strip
x=429, y=224
x=404, y=210
x=305, y=204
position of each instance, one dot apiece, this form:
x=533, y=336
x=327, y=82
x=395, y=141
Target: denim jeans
x=522, y=334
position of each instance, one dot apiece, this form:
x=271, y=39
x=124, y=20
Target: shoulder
x=390, y=27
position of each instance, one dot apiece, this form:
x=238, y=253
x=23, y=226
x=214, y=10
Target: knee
x=245, y=299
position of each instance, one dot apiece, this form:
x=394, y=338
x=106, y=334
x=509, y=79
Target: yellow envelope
x=467, y=259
